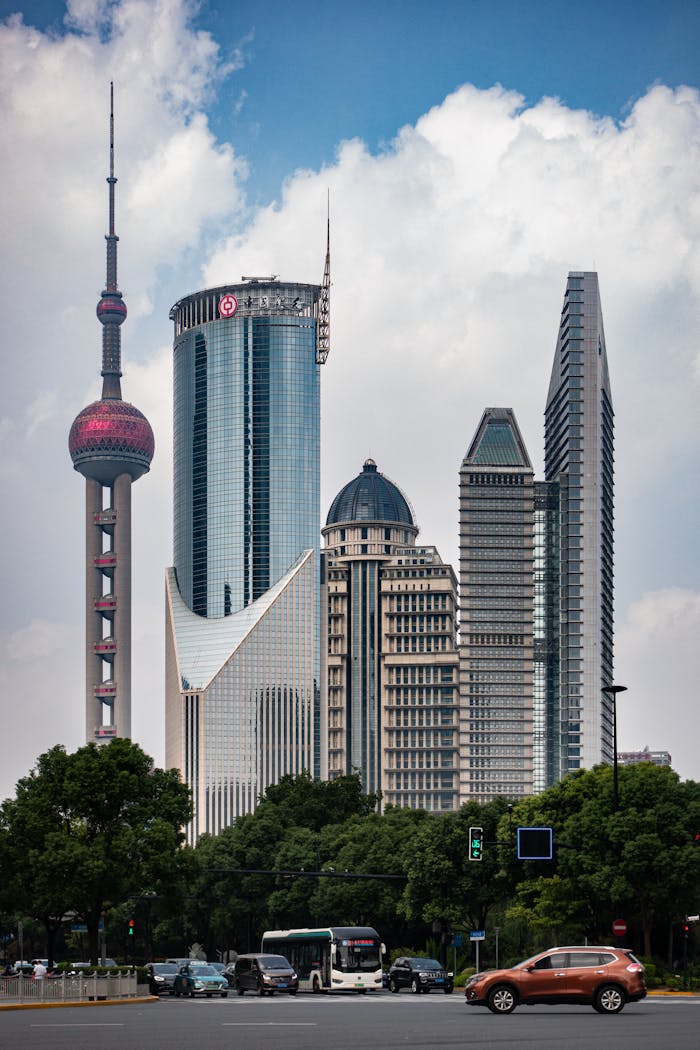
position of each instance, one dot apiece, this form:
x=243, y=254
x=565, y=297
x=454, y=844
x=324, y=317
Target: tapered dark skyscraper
x=111, y=445
x=579, y=460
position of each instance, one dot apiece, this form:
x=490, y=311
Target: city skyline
x=457, y=207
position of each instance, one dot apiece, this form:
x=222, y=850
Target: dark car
x=195, y=978
x=420, y=975
x=264, y=974
x=602, y=977
x=161, y=977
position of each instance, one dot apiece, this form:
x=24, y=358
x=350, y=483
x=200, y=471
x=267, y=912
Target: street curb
x=82, y=1002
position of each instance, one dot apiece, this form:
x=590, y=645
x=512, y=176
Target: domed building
x=389, y=615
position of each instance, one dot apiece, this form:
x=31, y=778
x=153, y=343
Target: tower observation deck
x=111, y=445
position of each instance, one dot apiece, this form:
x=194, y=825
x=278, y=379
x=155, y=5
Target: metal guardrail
x=67, y=988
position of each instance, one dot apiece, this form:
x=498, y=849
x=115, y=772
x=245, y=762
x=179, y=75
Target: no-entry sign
x=619, y=927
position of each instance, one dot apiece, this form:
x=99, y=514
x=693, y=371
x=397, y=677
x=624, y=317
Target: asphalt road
x=349, y=1022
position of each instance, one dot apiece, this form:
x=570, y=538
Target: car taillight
x=635, y=968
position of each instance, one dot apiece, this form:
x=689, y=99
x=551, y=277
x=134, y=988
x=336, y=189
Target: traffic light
x=476, y=844
x=131, y=927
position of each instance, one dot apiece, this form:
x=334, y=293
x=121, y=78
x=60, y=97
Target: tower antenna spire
x=323, y=329
x=111, y=309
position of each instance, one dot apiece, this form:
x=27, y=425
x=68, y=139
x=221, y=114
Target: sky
x=474, y=153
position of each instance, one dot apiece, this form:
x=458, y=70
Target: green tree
x=230, y=903
x=638, y=860
x=444, y=887
x=375, y=845
x=89, y=830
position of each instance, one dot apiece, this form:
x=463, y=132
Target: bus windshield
x=357, y=955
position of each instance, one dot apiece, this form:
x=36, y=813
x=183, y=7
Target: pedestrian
x=39, y=970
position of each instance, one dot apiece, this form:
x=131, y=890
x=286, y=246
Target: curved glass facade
x=246, y=450
x=243, y=699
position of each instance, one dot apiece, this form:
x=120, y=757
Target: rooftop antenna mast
x=111, y=310
x=323, y=329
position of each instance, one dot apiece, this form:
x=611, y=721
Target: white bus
x=333, y=958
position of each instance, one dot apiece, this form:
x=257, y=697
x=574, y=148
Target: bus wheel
x=316, y=985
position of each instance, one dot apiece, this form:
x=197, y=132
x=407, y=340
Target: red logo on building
x=228, y=304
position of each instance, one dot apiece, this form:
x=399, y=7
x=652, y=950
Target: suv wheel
x=609, y=999
x=415, y=986
x=501, y=999
x=393, y=986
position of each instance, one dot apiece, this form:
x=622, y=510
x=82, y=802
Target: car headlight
x=198, y=985
x=424, y=976
x=158, y=980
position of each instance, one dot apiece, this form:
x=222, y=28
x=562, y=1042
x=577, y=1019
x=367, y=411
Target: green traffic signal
x=476, y=844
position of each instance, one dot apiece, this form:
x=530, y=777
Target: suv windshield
x=425, y=964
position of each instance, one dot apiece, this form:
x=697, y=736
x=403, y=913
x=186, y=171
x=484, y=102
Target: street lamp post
x=613, y=690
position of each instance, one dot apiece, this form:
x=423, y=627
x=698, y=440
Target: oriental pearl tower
x=111, y=445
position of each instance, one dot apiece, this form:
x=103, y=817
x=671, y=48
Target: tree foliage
x=90, y=829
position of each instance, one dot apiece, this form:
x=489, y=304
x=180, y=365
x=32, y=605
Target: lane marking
x=269, y=1024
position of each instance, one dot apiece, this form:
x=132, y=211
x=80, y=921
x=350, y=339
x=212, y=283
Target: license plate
x=282, y=984
x=439, y=980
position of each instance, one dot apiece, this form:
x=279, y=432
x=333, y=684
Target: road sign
x=477, y=935
x=619, y=927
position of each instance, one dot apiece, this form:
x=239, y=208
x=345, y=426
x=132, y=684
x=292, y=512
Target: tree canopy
x=88, y=830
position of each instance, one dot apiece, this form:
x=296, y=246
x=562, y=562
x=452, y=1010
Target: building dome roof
x=370, y=497
x=111, y=437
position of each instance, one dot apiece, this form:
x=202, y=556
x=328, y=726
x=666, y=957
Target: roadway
x=350, y=1022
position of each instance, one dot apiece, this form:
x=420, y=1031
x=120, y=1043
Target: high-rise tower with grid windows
x=392, y=666
x=242, y=615
x=536, y=575
x=496, y=559
x=579, y=460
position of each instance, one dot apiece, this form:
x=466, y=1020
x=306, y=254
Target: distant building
x=391, y=656
x=243, y=658
x=656, y=758
x=111, y=445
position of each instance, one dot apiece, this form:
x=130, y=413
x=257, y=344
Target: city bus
x=332, y=958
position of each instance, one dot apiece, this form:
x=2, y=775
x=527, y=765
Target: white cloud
x=450, y=251
x=657, y=656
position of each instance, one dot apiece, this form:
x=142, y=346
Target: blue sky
x=474, y=153
x=315, y=73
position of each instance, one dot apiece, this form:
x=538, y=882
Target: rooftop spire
x=323, y=330
x=111, y=309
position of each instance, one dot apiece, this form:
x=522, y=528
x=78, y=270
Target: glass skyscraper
x=579, y=459
x=536, y=575
x=243, y=701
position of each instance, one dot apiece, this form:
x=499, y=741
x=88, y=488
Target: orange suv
x=601, y=977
